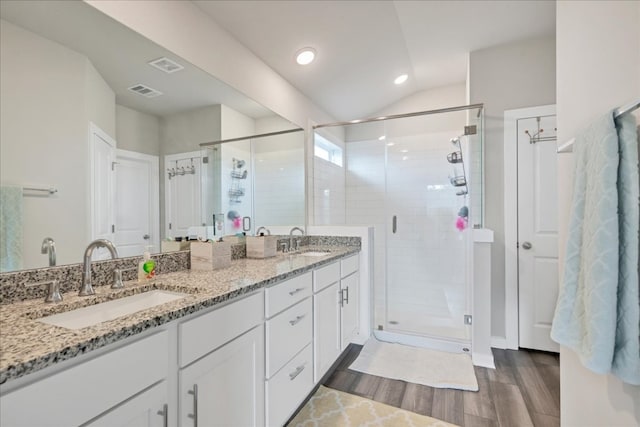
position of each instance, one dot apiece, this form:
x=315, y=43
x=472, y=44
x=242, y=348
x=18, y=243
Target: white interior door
x=137, y=206
x=183, y=193
x=102, y=149
x=537, y=231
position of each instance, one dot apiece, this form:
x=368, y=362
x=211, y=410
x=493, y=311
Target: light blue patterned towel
x=626, y=354
x=595, y=310
x=10, y=228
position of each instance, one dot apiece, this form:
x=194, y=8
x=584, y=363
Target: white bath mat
x=416, y=365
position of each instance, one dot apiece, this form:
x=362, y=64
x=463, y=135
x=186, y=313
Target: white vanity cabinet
x=99, y=385
x=249, y=362
x=148, y=409
x=289, y=358
x=335, y=302
x=221, y=356
x=349, y=297
x=326, y=324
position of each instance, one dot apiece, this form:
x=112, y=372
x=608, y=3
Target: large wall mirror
x=101, y=133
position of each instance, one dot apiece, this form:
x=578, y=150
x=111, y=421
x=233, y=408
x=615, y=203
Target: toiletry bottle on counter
x=146, y=267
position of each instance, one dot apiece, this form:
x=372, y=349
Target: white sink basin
x=98, y=313
x=314, y=253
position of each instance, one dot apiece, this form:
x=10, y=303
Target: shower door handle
x=394, y=224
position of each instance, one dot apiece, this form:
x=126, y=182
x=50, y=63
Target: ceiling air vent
x=166, y=65
x=145, y=91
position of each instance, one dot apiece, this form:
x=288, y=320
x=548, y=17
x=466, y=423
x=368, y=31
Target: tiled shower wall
x=279, y=187
x=329, y=193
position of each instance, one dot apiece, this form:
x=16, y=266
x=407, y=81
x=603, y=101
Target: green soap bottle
x=146, y=267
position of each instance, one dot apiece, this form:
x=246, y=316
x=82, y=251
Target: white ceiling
x=363, y=45
x=121, y=56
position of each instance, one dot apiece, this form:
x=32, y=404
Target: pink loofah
x=461, y=223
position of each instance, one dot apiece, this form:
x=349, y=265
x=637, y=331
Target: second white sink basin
x=314, y=253
x=98, y=313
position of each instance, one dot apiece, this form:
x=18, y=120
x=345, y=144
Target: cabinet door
x=226, y=387
x=349, y=289
x=148, y=409
x=326, y=325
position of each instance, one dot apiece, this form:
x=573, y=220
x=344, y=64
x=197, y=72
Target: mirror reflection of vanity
x=98, y=142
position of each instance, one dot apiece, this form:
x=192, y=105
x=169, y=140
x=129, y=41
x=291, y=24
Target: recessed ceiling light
x=404, y=151
x=390, y=144
x=401, y=79
x=382, y=138
x=305, y=56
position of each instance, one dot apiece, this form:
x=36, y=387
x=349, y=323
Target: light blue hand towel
x=10, y=228
x=595, y=309
x=626, y=355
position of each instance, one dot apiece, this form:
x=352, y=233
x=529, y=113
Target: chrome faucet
x=49, y=247
x=86, y=288
x=291, y=237
x=263, y=229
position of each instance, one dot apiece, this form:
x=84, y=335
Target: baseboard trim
x=484, y=360
x=499, y=342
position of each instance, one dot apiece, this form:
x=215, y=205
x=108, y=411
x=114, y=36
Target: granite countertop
x=27, y=345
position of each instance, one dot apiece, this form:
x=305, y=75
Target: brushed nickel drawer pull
x=295, y=291
x=194, y=416
x=297, y=320
x=165, y=415
x=294, y=374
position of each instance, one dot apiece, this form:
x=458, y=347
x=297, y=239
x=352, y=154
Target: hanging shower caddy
x=238, y=174
x=455, y=158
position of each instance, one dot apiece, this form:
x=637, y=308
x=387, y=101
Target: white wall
x=44, y=137
x=234, y=124
x=185, y=131
x=598, y=69
x=273, y=124
x=431, y=99
x=100, y=100
x=136, y=131
x=514, y=75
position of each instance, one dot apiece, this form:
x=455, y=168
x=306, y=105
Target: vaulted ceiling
x=363, y=45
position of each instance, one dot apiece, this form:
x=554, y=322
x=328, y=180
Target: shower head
x=455, y=141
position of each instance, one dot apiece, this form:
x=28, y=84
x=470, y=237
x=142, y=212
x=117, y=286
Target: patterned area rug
x=332, y=408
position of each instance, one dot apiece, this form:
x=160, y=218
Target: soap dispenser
x=146, y=267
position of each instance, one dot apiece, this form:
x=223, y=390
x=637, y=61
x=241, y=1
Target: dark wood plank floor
x=523, y=390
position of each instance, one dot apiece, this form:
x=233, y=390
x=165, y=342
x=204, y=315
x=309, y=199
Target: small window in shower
x=327, y=150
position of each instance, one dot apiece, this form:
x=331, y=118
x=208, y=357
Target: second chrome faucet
x=85, y=287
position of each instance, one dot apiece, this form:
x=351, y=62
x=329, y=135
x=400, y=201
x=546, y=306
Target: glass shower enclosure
x=417, y=179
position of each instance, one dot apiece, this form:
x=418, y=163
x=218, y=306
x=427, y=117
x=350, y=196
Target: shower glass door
x=428, y=226
x=406, y=178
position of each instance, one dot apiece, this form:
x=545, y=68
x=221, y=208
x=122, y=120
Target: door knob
x=146, y=237
x=526, y=245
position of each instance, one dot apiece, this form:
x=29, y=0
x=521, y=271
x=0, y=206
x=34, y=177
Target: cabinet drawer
x=205, y=333
x=325, y=276
x=349, y=265
x=285, y=294
x=289, y=387
x=287, y=334
x=62, y=399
